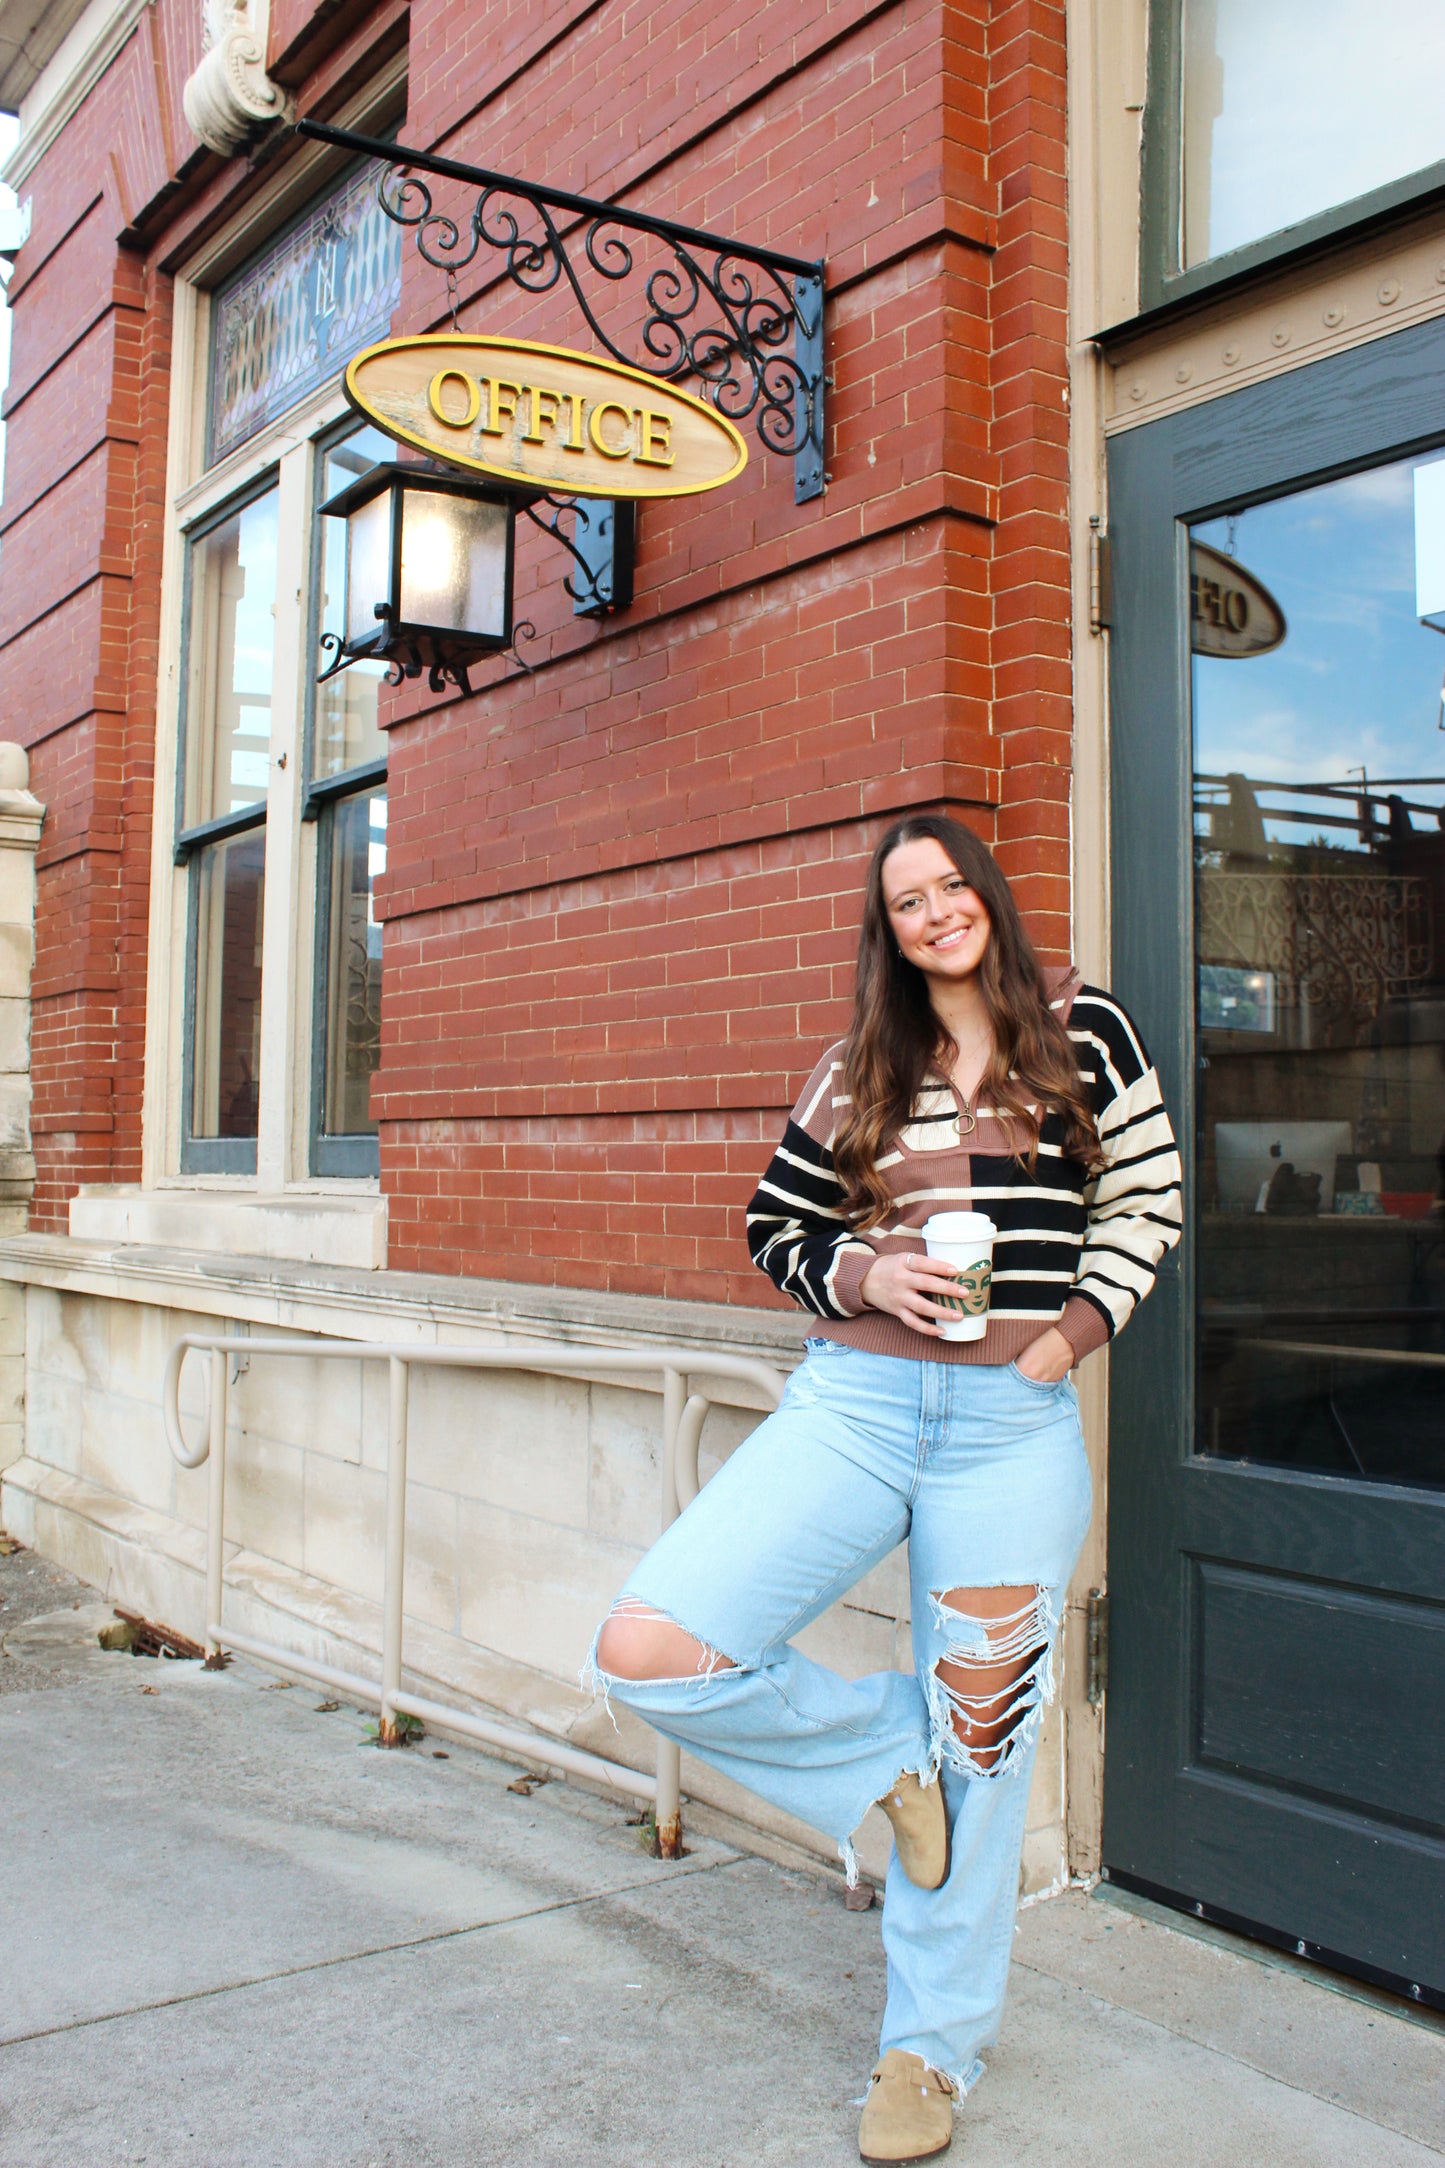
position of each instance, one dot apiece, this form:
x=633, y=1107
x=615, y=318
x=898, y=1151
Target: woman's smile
x=940, y=923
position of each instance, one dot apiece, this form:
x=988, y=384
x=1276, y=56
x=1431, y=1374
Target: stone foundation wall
x=530, y=1496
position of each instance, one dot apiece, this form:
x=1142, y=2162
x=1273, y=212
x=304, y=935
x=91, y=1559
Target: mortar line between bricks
x=1232, y=2055
x=356, y=1957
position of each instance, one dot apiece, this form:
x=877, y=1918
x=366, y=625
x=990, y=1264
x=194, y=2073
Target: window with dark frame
x=1266, y=132
x=280, y=328
x=220, y=827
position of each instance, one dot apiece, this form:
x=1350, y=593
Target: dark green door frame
x=1334, y=1880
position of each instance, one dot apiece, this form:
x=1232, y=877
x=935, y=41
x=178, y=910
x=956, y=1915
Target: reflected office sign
x=544, y=417
x=1231, y=613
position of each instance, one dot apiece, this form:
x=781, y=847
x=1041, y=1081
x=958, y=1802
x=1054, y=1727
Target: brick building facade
x=621, y=883
x=585, y=1098
x=395, y=1016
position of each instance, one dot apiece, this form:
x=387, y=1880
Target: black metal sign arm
x=745, y=322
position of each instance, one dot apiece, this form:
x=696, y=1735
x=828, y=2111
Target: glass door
x=1319, y=899
x=1276, y=1717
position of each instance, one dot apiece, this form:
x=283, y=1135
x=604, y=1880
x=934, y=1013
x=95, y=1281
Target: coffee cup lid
x=959, y=1227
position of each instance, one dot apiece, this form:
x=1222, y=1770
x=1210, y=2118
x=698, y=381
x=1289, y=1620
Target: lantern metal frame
x=410, y=646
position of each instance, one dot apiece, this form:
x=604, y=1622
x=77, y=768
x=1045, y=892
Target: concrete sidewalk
x=234, y=1935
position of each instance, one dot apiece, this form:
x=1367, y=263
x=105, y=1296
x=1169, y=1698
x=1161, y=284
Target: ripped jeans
x=983, y=1472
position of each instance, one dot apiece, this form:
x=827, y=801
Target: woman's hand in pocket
x=907, y=1287
x=1046, y=1359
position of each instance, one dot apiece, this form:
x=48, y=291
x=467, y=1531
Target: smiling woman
x=970, y=1078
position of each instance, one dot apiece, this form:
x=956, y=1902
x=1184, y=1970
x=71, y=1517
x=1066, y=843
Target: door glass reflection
x=1319, y=810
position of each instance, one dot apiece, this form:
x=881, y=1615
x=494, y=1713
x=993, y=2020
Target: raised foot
x=920, y=1829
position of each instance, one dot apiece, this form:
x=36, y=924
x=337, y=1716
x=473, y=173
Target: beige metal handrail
x=683, y=1413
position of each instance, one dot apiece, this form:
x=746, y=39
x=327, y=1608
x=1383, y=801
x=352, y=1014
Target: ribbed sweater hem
x=879, y=1334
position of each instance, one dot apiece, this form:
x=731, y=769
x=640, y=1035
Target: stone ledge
x=307, y=1230
x=353, y=1304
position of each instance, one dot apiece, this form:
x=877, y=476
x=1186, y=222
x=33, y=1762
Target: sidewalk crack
x=354, y=1957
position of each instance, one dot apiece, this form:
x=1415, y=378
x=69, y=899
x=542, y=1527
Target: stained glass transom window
x=299, y=310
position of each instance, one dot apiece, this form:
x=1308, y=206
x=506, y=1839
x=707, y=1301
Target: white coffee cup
x=966, y=1239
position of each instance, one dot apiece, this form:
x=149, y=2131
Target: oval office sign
x=544, y=417
x=1231, y=613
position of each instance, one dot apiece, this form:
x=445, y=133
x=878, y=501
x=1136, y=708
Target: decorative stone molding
x=1340, y=301
x=21, y=816
x=230, y=95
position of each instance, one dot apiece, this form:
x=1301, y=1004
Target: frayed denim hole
x=1025, y=1638
x=712, y=1664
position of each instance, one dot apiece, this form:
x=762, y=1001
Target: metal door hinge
x=1097, y=1616
x=1101, y=577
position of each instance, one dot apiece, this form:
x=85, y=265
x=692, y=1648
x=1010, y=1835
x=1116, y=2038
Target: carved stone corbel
x=230, y=94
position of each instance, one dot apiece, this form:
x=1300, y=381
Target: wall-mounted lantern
x=428, y=572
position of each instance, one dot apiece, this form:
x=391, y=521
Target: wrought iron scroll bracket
x=742, y=325
x=602, y=578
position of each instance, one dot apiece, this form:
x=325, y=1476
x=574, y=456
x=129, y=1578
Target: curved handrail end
x=188, y=1456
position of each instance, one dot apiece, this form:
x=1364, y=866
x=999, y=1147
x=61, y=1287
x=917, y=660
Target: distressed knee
x=639, y=1644
x=994, y=1676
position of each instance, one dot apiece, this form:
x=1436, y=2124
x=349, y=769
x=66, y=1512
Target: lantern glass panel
x=454, y=563
x=368, y=566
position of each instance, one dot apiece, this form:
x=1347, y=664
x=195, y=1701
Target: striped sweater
x=1074, y=1249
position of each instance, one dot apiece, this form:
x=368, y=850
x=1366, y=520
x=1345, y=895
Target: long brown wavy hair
x=896, y=1040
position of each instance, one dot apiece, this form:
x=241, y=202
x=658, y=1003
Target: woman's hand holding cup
x=905, y=1285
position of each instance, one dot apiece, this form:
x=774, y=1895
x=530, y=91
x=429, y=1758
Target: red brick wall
x=623, y=892
x=622, y=889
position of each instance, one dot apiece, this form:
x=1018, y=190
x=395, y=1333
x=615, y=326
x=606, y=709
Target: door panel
x=1314, y=1689
x=1235, y=1513
x=1276, y=1740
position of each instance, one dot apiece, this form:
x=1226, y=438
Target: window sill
x=347, y=1230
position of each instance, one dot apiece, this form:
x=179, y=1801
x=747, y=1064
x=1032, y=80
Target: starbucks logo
x=973, y=1283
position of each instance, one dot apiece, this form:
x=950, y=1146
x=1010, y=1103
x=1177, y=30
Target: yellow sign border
x=439, y=339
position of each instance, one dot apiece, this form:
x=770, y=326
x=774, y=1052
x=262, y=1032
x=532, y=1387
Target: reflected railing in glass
x=1319, y=813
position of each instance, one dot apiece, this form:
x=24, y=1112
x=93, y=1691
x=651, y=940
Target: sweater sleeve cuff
x=1083, y=1326
x=853, y=1266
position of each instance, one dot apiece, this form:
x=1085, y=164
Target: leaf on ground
x=327, y=1708
x=528, y=1783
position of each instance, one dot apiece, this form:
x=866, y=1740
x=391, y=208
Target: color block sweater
x=1075, y=1249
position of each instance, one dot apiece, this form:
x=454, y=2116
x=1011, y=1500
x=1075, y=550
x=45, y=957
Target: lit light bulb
x=430, y=554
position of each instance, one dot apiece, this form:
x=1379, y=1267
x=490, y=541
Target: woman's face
x=938, y=921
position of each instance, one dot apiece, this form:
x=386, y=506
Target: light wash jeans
x=983, y=1472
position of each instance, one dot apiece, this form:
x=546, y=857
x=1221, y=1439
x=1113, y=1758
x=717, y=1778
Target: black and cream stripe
x=1074, y=1248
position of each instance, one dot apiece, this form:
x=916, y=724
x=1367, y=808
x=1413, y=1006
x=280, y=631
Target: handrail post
x=394, y=1582
x=668, y=1811
x=216, y=1504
